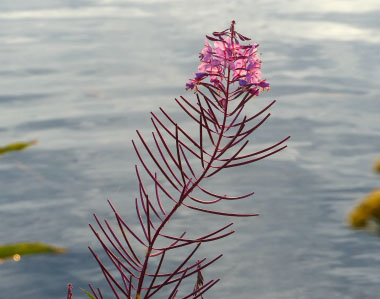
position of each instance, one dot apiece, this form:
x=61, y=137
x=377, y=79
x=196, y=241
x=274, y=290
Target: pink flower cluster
x=230, y=62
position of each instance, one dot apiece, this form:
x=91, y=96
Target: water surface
x=81, y=76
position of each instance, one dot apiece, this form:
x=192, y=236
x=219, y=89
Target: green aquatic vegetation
x=16, y=250
x=17, y=146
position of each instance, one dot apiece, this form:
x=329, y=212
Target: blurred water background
x=80, y=76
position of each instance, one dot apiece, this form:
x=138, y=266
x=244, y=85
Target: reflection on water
x=82, y=76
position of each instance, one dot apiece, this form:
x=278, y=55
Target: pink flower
x=206, y=53
x=227, y=62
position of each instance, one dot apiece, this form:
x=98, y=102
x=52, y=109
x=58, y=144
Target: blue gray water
x=81, y=76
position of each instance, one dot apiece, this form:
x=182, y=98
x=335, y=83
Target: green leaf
x=16, y=250
x=17, y=146
x=88, y=294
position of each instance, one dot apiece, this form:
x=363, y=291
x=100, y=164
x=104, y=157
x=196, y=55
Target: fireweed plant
x=143, y=258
